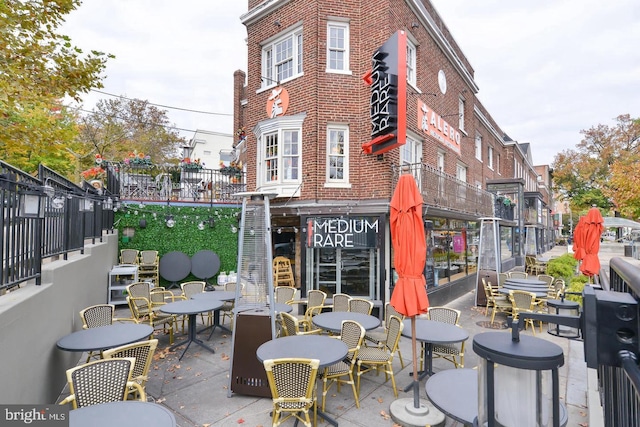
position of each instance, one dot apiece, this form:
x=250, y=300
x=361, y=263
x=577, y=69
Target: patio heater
x=488, y=256
x=530, y=243
x=254, y=315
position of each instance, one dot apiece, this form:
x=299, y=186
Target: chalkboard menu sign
x=429, y=273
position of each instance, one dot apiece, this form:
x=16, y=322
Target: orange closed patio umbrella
x=593, y=228
x=578, y=239
x=409, y=257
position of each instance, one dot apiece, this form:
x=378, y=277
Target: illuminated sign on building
x=388, y=107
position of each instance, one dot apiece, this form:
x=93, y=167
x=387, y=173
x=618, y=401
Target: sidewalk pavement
x=195, y=388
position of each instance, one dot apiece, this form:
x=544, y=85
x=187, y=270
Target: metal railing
x=620, y=386
x=444, y=191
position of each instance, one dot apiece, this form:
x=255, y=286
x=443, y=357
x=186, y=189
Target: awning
x=610, y=221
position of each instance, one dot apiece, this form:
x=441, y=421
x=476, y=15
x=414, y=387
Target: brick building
x=306, y=111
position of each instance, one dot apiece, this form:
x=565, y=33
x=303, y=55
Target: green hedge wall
x=184, y=236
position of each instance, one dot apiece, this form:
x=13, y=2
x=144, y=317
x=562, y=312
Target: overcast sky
x=546, y=69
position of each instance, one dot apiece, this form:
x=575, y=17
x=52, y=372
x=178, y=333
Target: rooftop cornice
x=261, y=10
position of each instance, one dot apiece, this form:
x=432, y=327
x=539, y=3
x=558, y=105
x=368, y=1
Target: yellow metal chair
x=145, y=302
x=453, y=353
x=360, y=305
x=142, y=352
x=378, y=336
x=340, y=302
x=518, y=275
x=376, y=358
x=352, y=334
x=149, y=266
x=101, y=381
x=293, y=389
x=496, y=301
x=315, y=304
x=129, y=256
x=291, y=326
x=525, y=302
x=96, y=316
x=284, y=294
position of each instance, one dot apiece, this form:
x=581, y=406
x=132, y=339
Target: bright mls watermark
x=34, y=415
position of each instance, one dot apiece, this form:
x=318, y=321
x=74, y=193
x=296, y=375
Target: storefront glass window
x=452, y=250
x=506, y=242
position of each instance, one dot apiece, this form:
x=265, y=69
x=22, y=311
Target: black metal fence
x=620, y=386
x=50, y=216
x=46, y=216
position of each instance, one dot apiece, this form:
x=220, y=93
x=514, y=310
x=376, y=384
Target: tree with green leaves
x=39, y=68
x=601, y=168
x=117, y=127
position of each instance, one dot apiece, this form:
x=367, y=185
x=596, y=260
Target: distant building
x=210, y=148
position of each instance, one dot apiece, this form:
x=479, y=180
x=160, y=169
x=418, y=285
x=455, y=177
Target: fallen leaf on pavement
x=384, y=415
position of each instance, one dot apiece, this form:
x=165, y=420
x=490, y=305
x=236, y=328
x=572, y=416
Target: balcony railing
x=445, y=191
x=174, y=183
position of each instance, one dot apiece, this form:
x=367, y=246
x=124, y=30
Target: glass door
x=349, y=271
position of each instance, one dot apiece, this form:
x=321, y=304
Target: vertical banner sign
x=388, y=81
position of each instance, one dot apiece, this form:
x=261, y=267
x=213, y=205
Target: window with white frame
x=337, y=46
x=478, y=146
x=411, y=63
x=490, y=157
x=279, y=151
x=411, y=154
x=282, y=58
x=498, y=163
x=440, y=161
x=337, y=154
x=461, y=113
x=461, y=172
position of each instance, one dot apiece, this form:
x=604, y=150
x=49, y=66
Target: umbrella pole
x=416, y=382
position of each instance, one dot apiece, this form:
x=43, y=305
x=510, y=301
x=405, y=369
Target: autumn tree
x=601, y=168
x=116, y=127
x=39, y=68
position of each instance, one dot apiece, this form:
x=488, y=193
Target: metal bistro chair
x=284, y=294
x=129, y=256
x=188, y=290
x=341, y=302
x=142, y=352
x=101, y=381
x=291, y=326
x=499, y=303
x=449, y=352
x=378, y=336
x=228, y=306
x=293, y=389
x=518, y=275
x=525, y=302
x=315, y=301
x=96, y=316
x=376, y=358
x=144, y=304
x=352, y=334
x=360, y=305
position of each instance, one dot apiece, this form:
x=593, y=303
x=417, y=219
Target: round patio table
x=219, y=295
x=174, y=266
x=104, y=337
x=205, y=264
x=430, y=332
x=124, y=413
x=191, y=308
x=332, y=320
x=455, y=393
x=528, y=282
x=539, y=294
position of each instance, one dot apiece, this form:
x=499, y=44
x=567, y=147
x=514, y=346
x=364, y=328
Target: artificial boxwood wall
x=150, y=231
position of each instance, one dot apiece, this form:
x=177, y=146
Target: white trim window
x=411, y=154
x=337, y=155
x=461, y=114
x=279, y=159
x=338, y=47
x=498, y=158
x=282, y=58
x=411, y=63
x=490, y=157
x=478, y=146
x=461, y=172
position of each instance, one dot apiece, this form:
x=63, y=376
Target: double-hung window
x=282, y=58
x=338, y=47
x=411, y=63
x=461, y=114
x=337, y=155
x=490, y=157
x=411, y=154
x=478, y=147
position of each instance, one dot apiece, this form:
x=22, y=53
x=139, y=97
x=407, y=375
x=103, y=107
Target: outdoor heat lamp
x=518, y=381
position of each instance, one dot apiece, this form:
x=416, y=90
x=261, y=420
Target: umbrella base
x=404, y=412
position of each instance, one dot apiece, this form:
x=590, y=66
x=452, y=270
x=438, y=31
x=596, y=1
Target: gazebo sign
x=388, y=108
